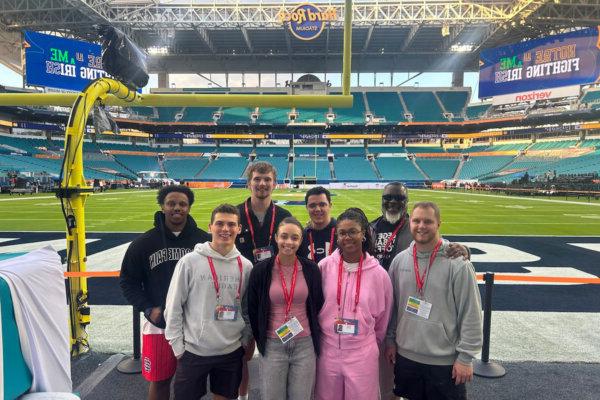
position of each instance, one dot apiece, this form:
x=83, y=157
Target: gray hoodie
x=453, y=330
x=192, y=299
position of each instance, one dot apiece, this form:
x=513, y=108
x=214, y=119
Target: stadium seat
x=198, y=114
x=476, y=167
x=304, y=167
x=353, y=168
x=167, y=114
x=235, y=115
x=396, y=168
x=224, y=168
x=354, y=115
x=423, y=106
x=438, y=169
x=477, y=111
x=386, y=105
x=184, y=168
x=454, y=102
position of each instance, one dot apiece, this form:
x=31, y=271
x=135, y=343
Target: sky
x=471, y=79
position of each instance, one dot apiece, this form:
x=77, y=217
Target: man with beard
x=318, y=240
x=392, y=235
x=146, y=272
x=435, y=330
x=256, y=242
x=392, y=230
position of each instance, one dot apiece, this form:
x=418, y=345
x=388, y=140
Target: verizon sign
x=535, y=95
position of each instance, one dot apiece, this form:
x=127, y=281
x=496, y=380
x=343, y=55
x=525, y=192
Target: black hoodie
x=150, y=260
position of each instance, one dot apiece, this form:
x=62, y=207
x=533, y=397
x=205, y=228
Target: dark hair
x=225, y=209
x=262, y=167
x=165, y=190
x=357, y=215
x=290, y=220
x=315, y=191
x=429, y=204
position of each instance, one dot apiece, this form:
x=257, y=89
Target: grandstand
x=417, y=116
x=431, y=162
x=416, y=132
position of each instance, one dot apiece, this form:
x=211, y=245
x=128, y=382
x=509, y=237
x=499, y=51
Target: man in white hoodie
x=206, y=312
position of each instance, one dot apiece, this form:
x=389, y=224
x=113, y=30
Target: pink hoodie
x=374, y=307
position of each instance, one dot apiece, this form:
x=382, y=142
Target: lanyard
x=339, y=286
x=312, y=244
x=289, y=297
x=216, y=280
x=251, y=227
x=391, y=238
x=421, y=278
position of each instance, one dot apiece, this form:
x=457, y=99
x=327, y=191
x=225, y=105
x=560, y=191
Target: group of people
x=339, y=309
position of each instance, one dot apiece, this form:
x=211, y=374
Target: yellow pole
x=73, y=194
x=347, y=58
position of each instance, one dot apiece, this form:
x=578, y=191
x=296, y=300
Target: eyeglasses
x=350, y=233
x=396, y=197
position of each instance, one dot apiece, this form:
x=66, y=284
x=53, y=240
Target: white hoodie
x=192, y=299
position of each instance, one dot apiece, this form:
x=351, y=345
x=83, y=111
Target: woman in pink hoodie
x=358, y=301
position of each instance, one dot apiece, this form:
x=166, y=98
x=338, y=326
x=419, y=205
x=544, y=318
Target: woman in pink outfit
x=358, y=301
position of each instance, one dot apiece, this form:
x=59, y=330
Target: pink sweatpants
x=348, y=374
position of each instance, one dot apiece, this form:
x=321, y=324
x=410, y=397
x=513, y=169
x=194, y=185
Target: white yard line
x=510, y=197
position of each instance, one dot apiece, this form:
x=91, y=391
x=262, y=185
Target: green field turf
x=462, y=213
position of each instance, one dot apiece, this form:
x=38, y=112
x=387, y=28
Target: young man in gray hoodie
x=435, y=329
x=206, y=312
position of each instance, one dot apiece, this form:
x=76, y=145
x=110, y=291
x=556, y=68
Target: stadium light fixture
x=157, y=50
x=461, y=48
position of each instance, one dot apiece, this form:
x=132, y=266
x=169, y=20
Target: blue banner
x=38, y=126
x=561, y=60
x=56, y=62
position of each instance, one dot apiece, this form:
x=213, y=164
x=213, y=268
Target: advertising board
x=567, y=59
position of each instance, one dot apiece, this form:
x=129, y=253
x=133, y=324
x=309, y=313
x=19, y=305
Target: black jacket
x=259, y=303
x=244, y=242
x=150, y=260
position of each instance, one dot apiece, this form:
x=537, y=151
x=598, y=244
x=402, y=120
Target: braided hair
x=357, y=215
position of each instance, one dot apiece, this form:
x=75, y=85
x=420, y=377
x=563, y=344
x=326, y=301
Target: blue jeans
x=288, y=370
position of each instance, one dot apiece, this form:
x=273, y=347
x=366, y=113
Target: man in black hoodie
x=146, y=273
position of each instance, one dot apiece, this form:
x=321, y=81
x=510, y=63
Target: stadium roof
x=247, y=36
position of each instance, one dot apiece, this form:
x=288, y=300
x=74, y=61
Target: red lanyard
x=216, y=280
x=391, y=238
x=358, y=276
x=289, y=297
x=421, y=278
x=312, y=244
x=251, y=227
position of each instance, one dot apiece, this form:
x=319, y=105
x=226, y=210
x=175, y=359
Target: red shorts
x=158, y=361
